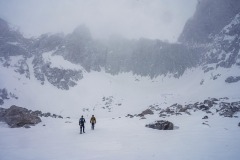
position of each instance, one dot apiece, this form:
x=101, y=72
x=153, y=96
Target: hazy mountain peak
x=209, y=19
x=82, y=31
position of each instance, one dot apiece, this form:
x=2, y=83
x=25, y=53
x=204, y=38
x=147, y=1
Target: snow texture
x=110, y=98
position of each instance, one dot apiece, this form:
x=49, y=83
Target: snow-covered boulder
x=145, y=112
x=161, y=125
x=18, y=117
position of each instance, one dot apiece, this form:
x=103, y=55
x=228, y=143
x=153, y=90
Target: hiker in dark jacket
x=93, y=121
x=81, y=124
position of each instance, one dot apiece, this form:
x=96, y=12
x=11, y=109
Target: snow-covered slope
x=123, y=138
x=110, y=98
x=38, y=74
x=127, y=93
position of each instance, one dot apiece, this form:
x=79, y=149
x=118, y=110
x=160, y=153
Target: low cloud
x=155, y=19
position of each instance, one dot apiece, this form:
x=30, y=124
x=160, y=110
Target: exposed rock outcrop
x=161, y=125
x=146, y=112
x=5, y=95
x=209, y=19
x=21, y=117
x=18, y=117
x=224, y=49
x=210, y=106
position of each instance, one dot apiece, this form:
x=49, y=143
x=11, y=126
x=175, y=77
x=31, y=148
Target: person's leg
x=81, y=129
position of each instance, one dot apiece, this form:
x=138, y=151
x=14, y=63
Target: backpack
x=81, y=121
x=93, y=120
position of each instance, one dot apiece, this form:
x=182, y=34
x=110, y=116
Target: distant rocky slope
x=16, y=51
x=225, y=48
x=144, y=57
x=210, y=107
x=210, y=18
x=215, y=27
x=210, y=39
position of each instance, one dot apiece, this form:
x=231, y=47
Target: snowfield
x=203, y=103
x=110, y=98
x=133, y=92
x=123, y=138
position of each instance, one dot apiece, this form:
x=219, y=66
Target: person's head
x=82, y=116
x=92, y=115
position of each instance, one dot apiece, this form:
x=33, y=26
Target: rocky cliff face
x=59, y=77
x=209, y=19
x=215, y=26
x=80, y=48
x=12, y=43
x=225, y=49
x=215, y=22
x=152, y=58
x=143, y=57
x=16, y=51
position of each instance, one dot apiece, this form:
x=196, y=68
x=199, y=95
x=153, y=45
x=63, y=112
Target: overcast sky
x=155, y=19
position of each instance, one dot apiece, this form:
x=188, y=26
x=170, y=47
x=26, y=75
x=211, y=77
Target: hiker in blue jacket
x=81, y=124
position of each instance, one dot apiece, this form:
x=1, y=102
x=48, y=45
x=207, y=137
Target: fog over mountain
x=144, y=56
x=209, y=19
x=137, y=65
x=155, y=19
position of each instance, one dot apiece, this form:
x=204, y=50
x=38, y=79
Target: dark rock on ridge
x=147, y=111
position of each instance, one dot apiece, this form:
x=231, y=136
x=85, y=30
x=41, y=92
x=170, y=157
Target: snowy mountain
x=121, y=81
x=209, y=19
x=64, y=61
x=225, y=48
